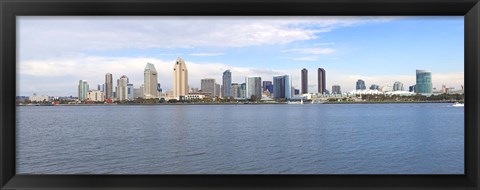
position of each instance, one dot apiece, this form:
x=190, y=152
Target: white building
x=36, y=98
x=194, y=96
x=122, y=88
x=96, y=96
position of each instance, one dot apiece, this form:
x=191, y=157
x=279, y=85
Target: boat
x=456, y=104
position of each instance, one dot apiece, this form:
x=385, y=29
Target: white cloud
x=53, y=36
x=305, y=58
x=314, y=51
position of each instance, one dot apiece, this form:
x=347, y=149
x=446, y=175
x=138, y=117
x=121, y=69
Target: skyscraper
x=411, y=88
x=122, y=88
x=108, y=86
x=265, y=85
x=83, y=90
x=424, y=82
x=282, y=87
x=217, y=90
x=180, y=79
x=235, y=90
x=208, y=86
x=227, y=83
x=321, y=81
x=305, y=81
x=254, y=87
x=360, y=85
x=398, y=86
x=243, y=90
x=150, y=80
x=336, y=89
x=374, y=87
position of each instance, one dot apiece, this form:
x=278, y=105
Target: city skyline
x=343, y=46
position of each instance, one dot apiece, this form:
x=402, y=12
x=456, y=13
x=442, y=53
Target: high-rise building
x=208, y=86
x=254, y=87
x=412, y=88
x=130, y=92
x=122, y=88
x=265, y=85
x=424, y=82
x=336, y=89
x=269, y=88
x=235, y=90
x=217, y=91
x=226, y=83
x=108, y=86
x=304, y=81
x=398, y=86
x=101, y=87
x=321, y=81
x=360, y=85
x=374, y=87
x=243, y=90
x=83, y=90
x=150, y=81
x=282, y=86
x=180, y=79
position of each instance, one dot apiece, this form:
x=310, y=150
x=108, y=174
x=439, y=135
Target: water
x=241, y=139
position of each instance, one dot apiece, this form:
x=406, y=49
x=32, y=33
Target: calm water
x=241, y=139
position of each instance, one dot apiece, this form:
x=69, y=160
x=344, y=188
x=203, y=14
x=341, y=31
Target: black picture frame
x=9, y=9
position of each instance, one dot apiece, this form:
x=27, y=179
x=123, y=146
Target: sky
x=54, y=53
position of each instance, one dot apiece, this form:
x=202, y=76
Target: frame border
x=9, y=9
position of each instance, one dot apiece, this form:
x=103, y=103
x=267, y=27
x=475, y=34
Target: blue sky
x=55, y=52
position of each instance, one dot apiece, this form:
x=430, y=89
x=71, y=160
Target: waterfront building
x=194, y=96
x=397, y=86
x=243, y=89
x=412, y=88
x=208, y=86
x=226, y=83
x=266, y=84
x=269, y=88
x=360, y=85
x=41, y=98
x=304, y=81
x=130, y=92
x=150, y=81
x=321, y=81
x=374, y=87
x=254, y=87
x=108, y=86
x=296, y=91
x=96, y=95
x=217, y=91
x=336, y=89
x=83, y=90
x=138, y=92
x=235, y=90
x=282, y=86
x=122, y=88
x=180, y=79
x=424, y=82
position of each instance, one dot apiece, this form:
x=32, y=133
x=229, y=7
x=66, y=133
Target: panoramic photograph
x=240, y=95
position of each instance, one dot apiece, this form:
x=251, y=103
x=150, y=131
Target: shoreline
x=223, y=103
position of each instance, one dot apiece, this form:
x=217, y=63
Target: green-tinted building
x=424, y=82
